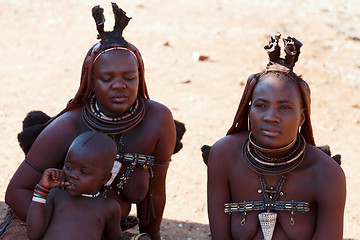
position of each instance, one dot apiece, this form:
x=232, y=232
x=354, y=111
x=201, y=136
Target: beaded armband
x=264, y=205
x=40, y=194
x=143, y=160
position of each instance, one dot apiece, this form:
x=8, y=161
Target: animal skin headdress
x=111, y=40
x=282, y=66
x=114, y=37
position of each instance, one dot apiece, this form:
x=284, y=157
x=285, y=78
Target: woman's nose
x=271, y=116
x=119, y=83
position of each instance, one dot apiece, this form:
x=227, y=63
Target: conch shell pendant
x=267, y=223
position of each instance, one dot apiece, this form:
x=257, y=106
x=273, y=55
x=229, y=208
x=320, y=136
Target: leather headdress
x=283, y=66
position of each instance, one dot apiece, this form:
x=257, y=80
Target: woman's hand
x=53, y=177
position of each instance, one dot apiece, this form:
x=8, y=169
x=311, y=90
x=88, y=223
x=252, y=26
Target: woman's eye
x=286, y=107
x=130, y=76
x=259, y=105
x=106, y=79
x=84, y=172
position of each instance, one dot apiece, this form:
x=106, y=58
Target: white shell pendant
x=114, y=172
x=267, y=223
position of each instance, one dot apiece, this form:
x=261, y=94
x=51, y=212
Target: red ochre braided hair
x=282, y=67
x=108, y=40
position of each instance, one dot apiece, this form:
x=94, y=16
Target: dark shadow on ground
x=171, y=229
x=180, y=230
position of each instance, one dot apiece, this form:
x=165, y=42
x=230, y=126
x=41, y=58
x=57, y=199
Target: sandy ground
x=42, y=46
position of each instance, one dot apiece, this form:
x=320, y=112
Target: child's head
x=88, y=162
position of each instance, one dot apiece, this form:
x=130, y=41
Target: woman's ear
x=302, y=117
x=248, y=118
x=92, y=85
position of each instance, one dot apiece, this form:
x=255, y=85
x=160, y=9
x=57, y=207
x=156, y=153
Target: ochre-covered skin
x=155, y=135
x=275, y=106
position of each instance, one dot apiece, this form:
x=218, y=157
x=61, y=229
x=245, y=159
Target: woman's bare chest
x=284, y=205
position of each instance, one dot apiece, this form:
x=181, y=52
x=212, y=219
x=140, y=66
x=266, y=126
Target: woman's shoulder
x=67, y=122
x=58, y=135
x=318, y=156
x=321, y=164
x=158, y=111
x=232, y=141
x=228, y=148
x=72, y=116
x=154, y=105
x=325, y=176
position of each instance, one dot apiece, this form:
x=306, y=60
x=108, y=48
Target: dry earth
x=43, y=43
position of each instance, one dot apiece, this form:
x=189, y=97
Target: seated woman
x=113, y=99
x=266, y=178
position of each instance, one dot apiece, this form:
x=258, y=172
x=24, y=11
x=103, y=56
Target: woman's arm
x=20, y=189
x=163, y=151
x=218, y=193
x=331, y=201
x=48, y=151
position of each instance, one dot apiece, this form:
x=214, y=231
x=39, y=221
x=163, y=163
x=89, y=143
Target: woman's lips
x=271, y=132
x=118, y=99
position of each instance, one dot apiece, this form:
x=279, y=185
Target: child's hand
x=52, y=178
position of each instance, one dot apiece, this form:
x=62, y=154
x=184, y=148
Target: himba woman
x=266, y=178
x=112, y=98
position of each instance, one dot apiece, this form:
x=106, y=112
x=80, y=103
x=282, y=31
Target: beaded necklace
x=261, y=164
x=91, y=195
x=271, y=150
x=293, y=147
x=96, y=120
x=116, y=128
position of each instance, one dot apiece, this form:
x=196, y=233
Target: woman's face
x=115, y=82
x=276, y=111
